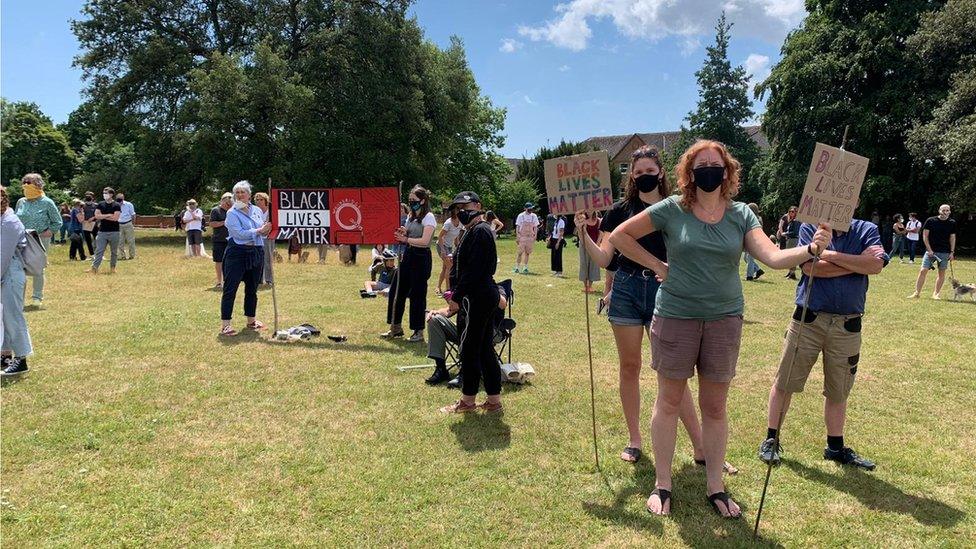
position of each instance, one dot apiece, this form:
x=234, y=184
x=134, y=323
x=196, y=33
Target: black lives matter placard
x=301, y=212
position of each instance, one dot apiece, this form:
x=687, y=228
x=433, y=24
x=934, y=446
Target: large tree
x=29, y=142
x=723, y=107
x=847, y=64
x=944, y=139
x=305, y=92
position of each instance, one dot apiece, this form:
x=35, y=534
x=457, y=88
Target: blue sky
x=565, y=69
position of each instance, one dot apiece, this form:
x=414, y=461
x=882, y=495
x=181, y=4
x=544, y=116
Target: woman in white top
x=193, y=221
x=445, y=248
x=912, y=229
x=415, y=268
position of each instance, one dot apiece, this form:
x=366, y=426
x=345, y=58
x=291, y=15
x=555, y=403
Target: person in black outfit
x=475, y=291
x=415, y=268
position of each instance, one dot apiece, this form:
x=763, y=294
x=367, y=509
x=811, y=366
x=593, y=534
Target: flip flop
x=632, y=452
x=227, y=331
x=315, y=331
x=664, y=496
x=337, y=338
x=727, y=467
x=724, y=498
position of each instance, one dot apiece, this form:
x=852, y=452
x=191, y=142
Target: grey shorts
x=679, y=345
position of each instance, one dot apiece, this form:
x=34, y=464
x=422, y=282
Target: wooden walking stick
x=589, y=353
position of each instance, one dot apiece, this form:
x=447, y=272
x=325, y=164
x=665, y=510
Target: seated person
x=440, y=331
x=381, y=276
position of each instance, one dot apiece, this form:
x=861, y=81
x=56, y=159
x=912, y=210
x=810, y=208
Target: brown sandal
x=459, y=407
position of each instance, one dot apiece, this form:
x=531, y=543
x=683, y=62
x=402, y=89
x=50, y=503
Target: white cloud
x=528, y=100
x=757, y=66
x=653, y=20
x=509, y=45
x=564, y=68
x=689, y=45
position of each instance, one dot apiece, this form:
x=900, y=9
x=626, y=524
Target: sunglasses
x=644, y=154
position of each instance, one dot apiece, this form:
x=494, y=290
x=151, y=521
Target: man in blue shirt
x=833, y=327
x=127, y=229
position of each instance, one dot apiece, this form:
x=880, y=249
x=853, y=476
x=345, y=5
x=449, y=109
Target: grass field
x=138, y=426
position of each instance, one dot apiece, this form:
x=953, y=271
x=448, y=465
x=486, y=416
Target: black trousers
x=241, y=264
x=478, y=360
x=78, y=247
x=89, y=241
x=556, y=257
x=414, y=272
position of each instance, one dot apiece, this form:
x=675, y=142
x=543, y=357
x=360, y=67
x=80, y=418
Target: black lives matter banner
x=301, y=212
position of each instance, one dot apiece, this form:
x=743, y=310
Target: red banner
x=364, y=216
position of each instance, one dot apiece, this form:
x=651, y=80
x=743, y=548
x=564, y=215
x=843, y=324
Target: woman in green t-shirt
x=698, y=312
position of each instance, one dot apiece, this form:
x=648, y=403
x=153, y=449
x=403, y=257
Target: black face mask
x=647, y=182
x=466, y=216
x=708, y=178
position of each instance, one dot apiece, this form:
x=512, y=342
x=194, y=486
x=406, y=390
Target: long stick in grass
x=274, y=295
x=789, y=371
x=399, y=278
x=589, y=353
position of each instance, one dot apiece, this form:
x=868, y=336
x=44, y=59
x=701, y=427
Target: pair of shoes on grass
x=769, y=452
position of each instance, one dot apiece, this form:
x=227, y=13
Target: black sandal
x=724, y=498
x=632, y=452
x=665, y=497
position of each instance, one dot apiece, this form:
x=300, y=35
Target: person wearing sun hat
x=526, y=228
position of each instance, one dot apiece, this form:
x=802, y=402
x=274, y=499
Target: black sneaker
x=848, y=456
x=791, y=276
x=749, y=278
x=439, y=376
x=769, y=451
x=15, y=366
x=759, y=273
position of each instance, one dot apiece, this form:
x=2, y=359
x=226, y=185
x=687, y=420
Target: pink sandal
x=228, y=331
x=256, y=325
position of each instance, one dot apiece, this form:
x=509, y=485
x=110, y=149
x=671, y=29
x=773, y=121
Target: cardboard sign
x=833, y=187
x=579, y=183
x=302, y=212
x=365, y=216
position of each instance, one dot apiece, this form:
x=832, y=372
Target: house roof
x=661, y=140
x=613, y=144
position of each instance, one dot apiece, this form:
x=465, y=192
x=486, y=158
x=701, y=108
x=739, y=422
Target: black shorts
x=194, y=236
x=218, y=251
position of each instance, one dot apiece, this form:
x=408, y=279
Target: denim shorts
x=941, y=257
x=632, y=298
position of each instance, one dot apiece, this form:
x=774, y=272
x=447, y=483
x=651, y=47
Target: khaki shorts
x=678, y=345
x=838, y=337
x=525, y=245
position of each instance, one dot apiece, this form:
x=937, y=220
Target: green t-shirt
x=703, y=261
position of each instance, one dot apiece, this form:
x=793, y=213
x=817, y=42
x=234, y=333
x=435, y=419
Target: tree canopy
x=304, y=92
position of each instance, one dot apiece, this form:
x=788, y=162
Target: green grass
x=137, y=426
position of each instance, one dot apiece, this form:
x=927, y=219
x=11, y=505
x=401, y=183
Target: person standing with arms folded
x=39, y=213
x=193, y=220
x=634, y=293
x=88, y=227
x=476, y=294
x=698, y=311
x=939, y=238
x=75, y=220
x=912, y=233
x=13, y=281
x=217, y=217
x=415, y=268
x=243, y=258
x=557, y=242
x=127, y=228
x=526, y=229
x=788, y=233
x=833, y=327
x=107, y=214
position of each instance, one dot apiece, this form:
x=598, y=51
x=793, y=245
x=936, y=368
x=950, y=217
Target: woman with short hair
x=13, y=281
x=263, y=202
x=415, y=268
x=698, y=311
x=193, y=220
x=243, y=258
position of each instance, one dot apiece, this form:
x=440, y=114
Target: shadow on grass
x=698, y=525
x=882, y=496
x=478, y=432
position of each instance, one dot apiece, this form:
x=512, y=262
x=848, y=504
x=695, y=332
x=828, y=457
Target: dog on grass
x=277, y=257
x=960, y=290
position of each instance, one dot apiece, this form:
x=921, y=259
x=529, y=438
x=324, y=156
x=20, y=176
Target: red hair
x=730, y=185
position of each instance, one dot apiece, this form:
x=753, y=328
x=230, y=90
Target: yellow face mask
x=32, y=192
